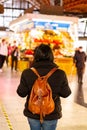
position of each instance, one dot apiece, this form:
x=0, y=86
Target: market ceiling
x=69, y=7
x=66, y=7
x=54, y=7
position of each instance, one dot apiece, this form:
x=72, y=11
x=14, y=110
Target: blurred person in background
x=14, y=56
x=79, y=60
x=9, y=53
x=3, y=53
x=14, y=45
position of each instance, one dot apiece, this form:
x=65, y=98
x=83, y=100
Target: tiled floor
x=11, y=105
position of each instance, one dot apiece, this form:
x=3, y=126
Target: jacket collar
x=44, y=64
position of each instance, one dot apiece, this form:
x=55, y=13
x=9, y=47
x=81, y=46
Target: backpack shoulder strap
x=47, y=75
x=51, y=72
x=35, y=71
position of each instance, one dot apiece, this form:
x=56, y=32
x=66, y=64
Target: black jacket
x=79, y=59
x=57, y=81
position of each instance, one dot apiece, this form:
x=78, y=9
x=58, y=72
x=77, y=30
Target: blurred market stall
x=60, y=32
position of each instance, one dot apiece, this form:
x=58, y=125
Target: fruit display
x=60, y=39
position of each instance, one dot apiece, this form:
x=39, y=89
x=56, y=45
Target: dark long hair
x=43, y=52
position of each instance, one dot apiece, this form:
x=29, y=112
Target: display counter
x=66, y=64
x=23, y=65
x=25, y=62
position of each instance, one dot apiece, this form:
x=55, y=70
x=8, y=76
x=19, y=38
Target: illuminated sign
x=50, y=25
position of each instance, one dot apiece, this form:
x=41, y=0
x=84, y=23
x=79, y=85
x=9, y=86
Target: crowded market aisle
x=11, y=105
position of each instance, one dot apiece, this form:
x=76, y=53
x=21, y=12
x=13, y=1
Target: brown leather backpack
x=41, y=101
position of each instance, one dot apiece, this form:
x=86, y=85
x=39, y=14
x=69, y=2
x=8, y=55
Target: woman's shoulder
x=27, y=70
x=60, y=72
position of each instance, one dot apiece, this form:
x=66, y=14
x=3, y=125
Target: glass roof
x=12, y=9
